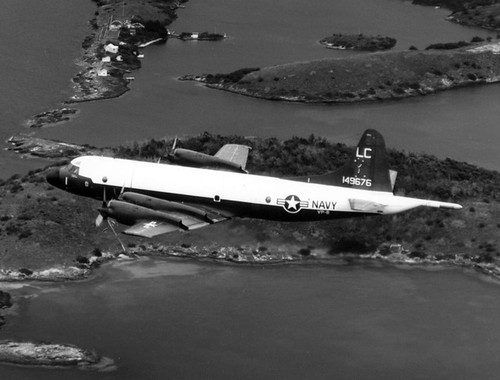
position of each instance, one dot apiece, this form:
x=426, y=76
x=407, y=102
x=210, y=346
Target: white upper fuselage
x=286, y=199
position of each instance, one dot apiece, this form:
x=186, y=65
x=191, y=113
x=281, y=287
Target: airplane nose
x=52, y=177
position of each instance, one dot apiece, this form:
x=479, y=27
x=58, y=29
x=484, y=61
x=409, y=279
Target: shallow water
x=179, y=318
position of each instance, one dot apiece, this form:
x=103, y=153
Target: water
x=460, y=124
x=184, y=319
x=40, y=41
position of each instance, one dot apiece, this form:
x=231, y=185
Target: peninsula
x=52, y=355
x=112, y=51
x=365, y=77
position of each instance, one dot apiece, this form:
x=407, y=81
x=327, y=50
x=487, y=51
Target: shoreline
x=110, y=54
x=364, y=78
x=60, y=355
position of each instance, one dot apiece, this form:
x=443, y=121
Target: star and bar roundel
x=292, y=204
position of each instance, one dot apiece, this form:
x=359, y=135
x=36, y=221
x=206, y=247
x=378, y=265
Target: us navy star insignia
x=150, y=224
x=292, y=204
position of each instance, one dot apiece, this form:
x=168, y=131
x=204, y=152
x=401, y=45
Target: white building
x=110, y=48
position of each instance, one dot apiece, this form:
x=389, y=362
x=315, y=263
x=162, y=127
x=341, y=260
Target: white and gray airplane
x=153, y=198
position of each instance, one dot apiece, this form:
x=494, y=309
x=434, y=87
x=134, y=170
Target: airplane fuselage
x=233, y=194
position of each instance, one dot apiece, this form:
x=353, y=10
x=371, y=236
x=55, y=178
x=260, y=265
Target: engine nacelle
x=129, y=214
x=163, y=205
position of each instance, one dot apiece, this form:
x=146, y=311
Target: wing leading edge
x=150, y=216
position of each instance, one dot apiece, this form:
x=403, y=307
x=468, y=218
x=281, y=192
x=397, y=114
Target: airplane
x=153, y=198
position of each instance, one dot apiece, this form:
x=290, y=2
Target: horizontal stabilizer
x=365, y=205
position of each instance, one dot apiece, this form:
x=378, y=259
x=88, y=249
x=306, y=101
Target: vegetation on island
x=481, y=13
x=103, y=73
x=358, y=42
x=203, y=36
x=367, y=77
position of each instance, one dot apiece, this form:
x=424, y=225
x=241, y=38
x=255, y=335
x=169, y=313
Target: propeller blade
x=121, y=192
x=99, y=220
x=175, y=144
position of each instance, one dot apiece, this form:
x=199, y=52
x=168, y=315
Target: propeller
x=102, y=213
x=104, y=209
x=171, y=154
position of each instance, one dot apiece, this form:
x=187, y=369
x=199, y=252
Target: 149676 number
x=357, y=181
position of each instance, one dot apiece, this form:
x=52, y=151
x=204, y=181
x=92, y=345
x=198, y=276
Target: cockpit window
x=73, y=169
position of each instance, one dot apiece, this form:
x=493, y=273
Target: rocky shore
x=30, y=146
x=52, y=355
x=370, y=77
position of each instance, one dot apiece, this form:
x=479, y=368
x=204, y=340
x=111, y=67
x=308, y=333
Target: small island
x=358, y=42
x=195, y=36
x=51, y=355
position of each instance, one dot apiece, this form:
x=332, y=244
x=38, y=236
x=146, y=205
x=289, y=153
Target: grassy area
x=375, y=76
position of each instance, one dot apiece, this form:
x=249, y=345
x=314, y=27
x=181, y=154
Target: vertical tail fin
x=368, y=170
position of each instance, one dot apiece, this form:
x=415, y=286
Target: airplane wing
x=150, y=229
x=235, y=153
x=153, y=227
x=150, y=216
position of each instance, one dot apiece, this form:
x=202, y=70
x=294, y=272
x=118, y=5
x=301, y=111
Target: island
x=365, y=77
x=52, y=355
x=203, y=36
x=358, y=42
